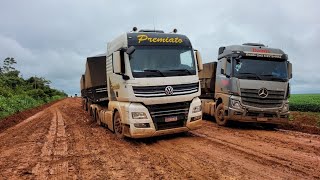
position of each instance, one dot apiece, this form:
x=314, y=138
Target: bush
x=37, y=94
x=17, y=103
x=5, y=91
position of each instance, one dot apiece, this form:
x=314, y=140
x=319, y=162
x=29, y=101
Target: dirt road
x=61, y=142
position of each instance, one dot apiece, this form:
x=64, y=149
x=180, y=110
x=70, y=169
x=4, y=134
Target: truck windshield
x=260, y=69
x=160, y=61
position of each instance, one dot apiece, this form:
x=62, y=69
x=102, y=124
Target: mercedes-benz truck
x=248, y=83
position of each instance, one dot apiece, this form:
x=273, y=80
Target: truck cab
x=251, y=84
x=152, y=85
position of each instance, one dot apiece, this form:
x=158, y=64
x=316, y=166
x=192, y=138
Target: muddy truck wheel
x=96, y=118
x=87, y=106
x=93, y=114
x=90, y=111
x=118, y=126
x=220, y=116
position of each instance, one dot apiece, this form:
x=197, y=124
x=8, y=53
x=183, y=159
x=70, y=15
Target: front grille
x=252, y=114
x=250, y=97
x=159, y=91
x=169, y=125
x=160, y=111
x=261, y=114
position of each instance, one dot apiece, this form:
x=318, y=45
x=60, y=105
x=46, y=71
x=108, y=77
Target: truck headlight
x=236, y=104
x=285, y=108
x=139, y=115
x=195, y=118
x=196, y=109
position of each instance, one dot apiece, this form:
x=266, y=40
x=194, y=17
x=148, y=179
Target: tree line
x=17, y=93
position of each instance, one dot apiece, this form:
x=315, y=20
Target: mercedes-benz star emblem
x=263, y=92
x=168, y=90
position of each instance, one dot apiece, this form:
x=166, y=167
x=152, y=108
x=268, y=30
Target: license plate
x=171, y=119
x=262, y=119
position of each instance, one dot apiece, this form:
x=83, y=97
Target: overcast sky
x=52, y=38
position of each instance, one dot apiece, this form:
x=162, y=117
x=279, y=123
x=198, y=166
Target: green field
x=305, y=102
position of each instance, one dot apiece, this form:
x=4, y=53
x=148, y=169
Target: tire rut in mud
x=54, y=162
x=62, y=142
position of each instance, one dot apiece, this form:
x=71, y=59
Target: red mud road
x=61, y=142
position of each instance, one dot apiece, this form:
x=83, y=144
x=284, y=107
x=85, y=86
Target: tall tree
x=8, y=65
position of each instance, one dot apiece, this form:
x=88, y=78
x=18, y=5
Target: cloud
x=61, y=67
x=52, y=38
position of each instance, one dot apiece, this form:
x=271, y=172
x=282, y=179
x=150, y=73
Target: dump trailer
x=82, y=86
x=248, y=83
x=93, y=82
x=152, y=85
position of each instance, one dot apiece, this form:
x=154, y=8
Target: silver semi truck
x=248, y=83
x=147, y=84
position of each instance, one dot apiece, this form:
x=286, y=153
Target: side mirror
x=289, y=70
x=130, y=50
x=116, y=61
x=199, y=61
x=223, y=66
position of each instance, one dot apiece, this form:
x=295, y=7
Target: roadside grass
x=18, y=103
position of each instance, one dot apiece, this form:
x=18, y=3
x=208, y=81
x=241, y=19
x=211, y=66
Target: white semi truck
x=147, y=85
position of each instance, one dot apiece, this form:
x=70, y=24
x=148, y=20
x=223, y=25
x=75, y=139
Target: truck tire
x=117, y=125
x=89, y=108
x=96, y=117
x=93, y=114
x=86, y=106
x=219, y=116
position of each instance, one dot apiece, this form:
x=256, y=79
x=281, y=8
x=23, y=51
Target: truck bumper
x=271, y=117
x=149, y=127
x=151, y=132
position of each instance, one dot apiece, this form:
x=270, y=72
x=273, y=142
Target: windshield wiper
x=154, y=70
x=185, y=70
x=258, y=77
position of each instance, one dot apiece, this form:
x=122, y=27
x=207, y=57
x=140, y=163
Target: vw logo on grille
x=263, y=92
x=168, y=90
